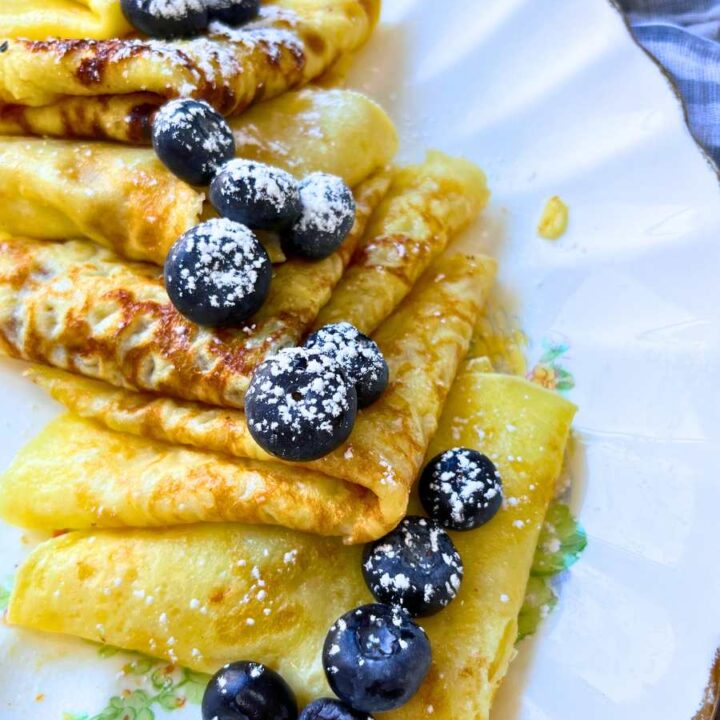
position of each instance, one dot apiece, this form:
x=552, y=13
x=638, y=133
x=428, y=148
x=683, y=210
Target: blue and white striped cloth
x=684, y=36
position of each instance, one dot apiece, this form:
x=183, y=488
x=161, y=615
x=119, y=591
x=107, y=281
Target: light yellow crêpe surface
x=42, y=19
x=225, y=592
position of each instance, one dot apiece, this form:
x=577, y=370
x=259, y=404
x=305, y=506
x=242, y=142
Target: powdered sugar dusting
x=174, y=9
x=259, y=182
x=415, y=566
x=302, y=389
x=463, y=484
x=194, y=128
x=327, y=204
x=359, y=356
x=226, y=258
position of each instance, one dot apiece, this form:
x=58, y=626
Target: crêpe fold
x=223, y=592
x=124, y=198
x=428, y=204
x=42, y=19
x=70, y=477
x=80, y=307
x=291, y=43
x=75, y=306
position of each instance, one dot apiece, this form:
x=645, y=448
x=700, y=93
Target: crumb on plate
x=554, y=219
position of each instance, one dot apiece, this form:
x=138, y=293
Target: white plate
x=550, y=97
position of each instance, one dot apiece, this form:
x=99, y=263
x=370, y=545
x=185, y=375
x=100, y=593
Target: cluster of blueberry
x=302, y=402
x=186, y=18
x=376, y=657
x=218, y=273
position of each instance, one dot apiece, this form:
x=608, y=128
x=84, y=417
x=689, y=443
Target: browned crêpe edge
x=291, y=43
x=423, y=343
x=426, y=206
x=710, y=708
x=79, y=307
x=121, y=118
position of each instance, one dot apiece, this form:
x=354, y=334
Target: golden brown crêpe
x=77, y=306
x=82, y=19
x=291, y=43
x=119, y=197
x=87, y=479
x=228, y=591
x=124, y=198
x=427, y=205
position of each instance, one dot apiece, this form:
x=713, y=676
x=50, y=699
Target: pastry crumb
x=554, y=219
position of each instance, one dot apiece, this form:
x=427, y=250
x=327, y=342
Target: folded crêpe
x=77, y=474
x=205, y=595
x=79, y=307
x=292, y=42
x=42, y=19
x=427, y=205
x=125, y=199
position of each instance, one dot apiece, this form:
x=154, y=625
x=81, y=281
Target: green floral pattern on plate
x=562, y=540
x=5, y=590
x=168, y=687
x=549, y=370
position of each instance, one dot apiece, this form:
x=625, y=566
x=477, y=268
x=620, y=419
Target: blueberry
x=359, y=357
x=192, y=140
x=461, y=488
x=259, y=195
x=329, y=709
x=300, y=405
x=218, y=274
x=166, y=18
x=328, y=214
x=376, y=658
x=415, y=566
x=248, y=691
x=233, y=12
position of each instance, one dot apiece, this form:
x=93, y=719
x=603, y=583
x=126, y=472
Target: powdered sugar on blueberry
x=259, y=195
x=461, y=488
x=359, y=356
x=415, y=566
x=325, y=204
x=192, y=140
x=218, y=273
x=328, y=214
x=175, y=9
x=300, y=404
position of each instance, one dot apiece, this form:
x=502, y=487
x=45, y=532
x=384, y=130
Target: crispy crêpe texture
x=42, y=19
x=125, y=199
x=80, y=307
x=292, y=42
x=230, y=591
x=77, y=474
x=427, y=205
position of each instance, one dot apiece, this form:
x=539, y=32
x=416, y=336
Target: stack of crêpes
x=187, y=539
